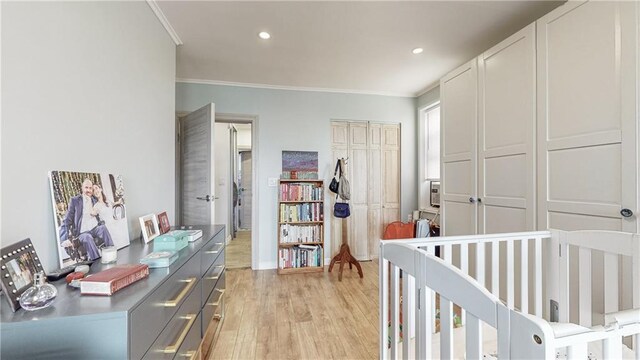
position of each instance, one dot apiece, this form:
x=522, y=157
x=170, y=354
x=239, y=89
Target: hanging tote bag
x=344, y=190
x=341, y=210
x=333, y=187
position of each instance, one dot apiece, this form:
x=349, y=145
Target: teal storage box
x=174, y=240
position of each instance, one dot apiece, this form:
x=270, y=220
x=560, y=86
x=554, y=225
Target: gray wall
x=300, y=120
x=428, y=98
x=87, y=86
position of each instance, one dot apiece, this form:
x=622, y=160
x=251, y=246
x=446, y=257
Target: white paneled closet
x=373, y=169
x=488, y=139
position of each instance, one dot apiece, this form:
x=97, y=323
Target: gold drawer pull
x=214, y=251
x=171, y=349
x=217, y=317
x=219, y=298
x=189, y=354
x=173, y=303
x=217, y=276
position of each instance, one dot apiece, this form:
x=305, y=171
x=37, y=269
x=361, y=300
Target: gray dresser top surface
x=69, y=302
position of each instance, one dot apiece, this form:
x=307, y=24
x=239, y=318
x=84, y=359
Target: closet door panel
x=339, y=149
x=587, y=122
x=506, y=135
x=375, y=224
x=391, y=184
x=458, y=150
x=339, y=133
x=358, y=175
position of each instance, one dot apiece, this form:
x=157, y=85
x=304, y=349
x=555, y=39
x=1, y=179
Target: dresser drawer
x=190, y=345
x=178, y=329
x=148, y=319
x=213, y=250
x=213, y=275
x=212, y=317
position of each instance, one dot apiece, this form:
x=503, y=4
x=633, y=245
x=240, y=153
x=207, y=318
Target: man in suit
x=83, y=221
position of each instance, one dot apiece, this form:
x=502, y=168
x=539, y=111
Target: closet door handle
x=626, y=213
x=472, y=200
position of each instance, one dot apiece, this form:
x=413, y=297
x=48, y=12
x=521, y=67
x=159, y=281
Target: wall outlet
x=273, y=181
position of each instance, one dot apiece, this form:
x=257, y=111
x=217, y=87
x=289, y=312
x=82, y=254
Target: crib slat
x=480, y=269
x=432, y=295
x=578, y=351
x=612, y=348
x=464, y=266
x=584, y=290
x=510, y=276
x=524, y=276
x=407, y=319
x=473, y=337
x=611, y=283
x=446, y=328
x=538, y=277
x=563, y=291
x=384, y=304
x=448, y=253
x=495, y=268
x=395, y=313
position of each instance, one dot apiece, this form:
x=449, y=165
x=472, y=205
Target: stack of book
x=158, y=259
x=300, y=233
x=300, y=256
x=301, y=212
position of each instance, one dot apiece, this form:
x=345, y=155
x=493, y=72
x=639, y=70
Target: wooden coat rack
x=344, y=256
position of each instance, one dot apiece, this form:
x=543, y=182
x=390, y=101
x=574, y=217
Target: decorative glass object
x=40, y=295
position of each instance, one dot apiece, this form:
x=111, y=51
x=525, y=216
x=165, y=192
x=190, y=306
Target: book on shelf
x=300, y=233
x=306, y=212
x=158, y=259
x=300, y=256
x=300, y=192
x=110, y=281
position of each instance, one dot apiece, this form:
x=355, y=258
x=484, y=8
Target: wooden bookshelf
x=301, y=219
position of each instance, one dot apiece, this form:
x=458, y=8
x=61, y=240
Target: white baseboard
x=228, y=239
x=267, y=265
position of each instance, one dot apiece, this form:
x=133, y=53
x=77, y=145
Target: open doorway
x=234, y=165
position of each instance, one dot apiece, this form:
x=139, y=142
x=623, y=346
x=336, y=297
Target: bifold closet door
x=458, y=106
x=358, y=175
x=390, y=173
x=506, y=135
x=376, y=228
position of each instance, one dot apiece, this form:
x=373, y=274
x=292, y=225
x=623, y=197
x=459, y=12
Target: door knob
x=472, y=200
x=207, y=198
x=626, y=213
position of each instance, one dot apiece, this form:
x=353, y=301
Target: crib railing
x=424, y=276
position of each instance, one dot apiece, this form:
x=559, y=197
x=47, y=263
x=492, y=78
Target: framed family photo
x=150, y=228
x=89, y=214
x=19, y=264
x=163, y=221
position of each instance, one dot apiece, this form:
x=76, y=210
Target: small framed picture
x=149, y=225
x=19, y=264
x=163, y=221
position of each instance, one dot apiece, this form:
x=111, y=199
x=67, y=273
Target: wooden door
x=390, y=173
x=197, y=174
x=375, y=224
x=246, y=189
x=339, y=149
x=587, y=116
x=358, y=176
x=458, y=106
x=506, y=135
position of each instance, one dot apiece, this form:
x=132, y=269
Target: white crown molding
x=292, y=88
x=428, y=88
x=163, y=20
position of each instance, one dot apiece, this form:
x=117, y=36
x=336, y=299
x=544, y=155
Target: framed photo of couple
x=89, y=213
x=19, y=264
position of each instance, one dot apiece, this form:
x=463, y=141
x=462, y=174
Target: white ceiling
x=344, y=46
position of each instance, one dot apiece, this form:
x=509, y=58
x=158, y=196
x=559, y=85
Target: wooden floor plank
x=300, y=316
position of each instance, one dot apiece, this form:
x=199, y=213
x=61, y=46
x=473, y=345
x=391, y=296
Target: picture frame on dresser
x=149, y=226
x=18, y=265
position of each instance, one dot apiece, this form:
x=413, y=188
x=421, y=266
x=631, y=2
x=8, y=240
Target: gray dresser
x=175, y=313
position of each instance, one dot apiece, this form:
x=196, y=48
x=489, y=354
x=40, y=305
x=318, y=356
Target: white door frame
x=253, y=121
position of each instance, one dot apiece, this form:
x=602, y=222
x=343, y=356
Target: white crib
x=474, y=272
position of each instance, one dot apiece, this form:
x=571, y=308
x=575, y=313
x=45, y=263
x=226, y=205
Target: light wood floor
x=238, y=252
x=300, y=316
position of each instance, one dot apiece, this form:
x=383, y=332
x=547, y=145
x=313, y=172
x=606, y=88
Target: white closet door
x=357, y=173
x=506, y=135
x=587, y=116
x=390, y=173
x=339, y=149
x=458, y=96
x=376, y=228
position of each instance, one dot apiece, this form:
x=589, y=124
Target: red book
x=109, y=281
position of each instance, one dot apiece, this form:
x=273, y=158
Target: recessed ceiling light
x=417, y=51
x=264, y=35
